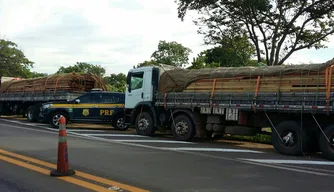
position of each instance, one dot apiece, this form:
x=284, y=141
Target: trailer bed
x=306, y=102
x=40, y=96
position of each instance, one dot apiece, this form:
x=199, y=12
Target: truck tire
x=326, y=148
x=55, y=117
x=183, y=128
x=118, y=123
x=1, y=108
x=298, y=143
x=32, y=113
x=145, y=124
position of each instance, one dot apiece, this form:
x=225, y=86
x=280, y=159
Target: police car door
x=86, y=109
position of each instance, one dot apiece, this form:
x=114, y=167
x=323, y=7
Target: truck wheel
x=118, y=123
x=326, y=148
x=32, y=113
x=292, y=137
x=183, y=128
x=144, y=124
x=55, y=118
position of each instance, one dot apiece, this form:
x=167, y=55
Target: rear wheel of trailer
x=291, y=139
x=326, y=142
x=183, y=128
x=33, y=113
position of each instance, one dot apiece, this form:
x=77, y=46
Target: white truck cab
x=141, y=85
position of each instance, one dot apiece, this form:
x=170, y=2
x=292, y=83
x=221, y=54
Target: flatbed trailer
x=25, y=97
x=301, y=122
x=29, y=103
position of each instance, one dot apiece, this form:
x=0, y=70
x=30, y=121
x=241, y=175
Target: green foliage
x=277, y=29
x=116, y=82
x=13, y=62
x=169, y=53
x=29, y=74
x=82, y=67
x=232, y=52
x=147, y=63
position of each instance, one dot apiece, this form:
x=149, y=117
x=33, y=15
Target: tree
x=116, y=82
x=276, y=28
x=168, y=53
x=82, y=67
x=147, y=63
x=171, y=53
x=29, y=74
x=232, y=52
x=13, y=62
x=201, y=61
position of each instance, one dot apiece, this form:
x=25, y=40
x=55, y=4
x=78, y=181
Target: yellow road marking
x=78, y=173
x=47, y=172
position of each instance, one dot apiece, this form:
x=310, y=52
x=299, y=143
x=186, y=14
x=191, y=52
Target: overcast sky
x=116, y=34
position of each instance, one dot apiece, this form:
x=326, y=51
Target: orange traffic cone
x=62, y=162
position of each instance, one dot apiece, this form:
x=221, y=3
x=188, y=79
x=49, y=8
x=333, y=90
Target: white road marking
x=150, y=141
x=18, y=122
x=300, y=162
x=212, y=150
x=112, y=135
x=84, y=130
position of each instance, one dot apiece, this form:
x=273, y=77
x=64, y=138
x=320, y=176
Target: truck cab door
x=135, y=89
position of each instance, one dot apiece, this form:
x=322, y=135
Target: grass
x=258, y=138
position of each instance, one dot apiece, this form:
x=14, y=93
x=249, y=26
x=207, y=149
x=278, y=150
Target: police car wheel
x=118, y=123
x=55, y=118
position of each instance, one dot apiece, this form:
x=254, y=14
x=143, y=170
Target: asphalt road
x=155, y=164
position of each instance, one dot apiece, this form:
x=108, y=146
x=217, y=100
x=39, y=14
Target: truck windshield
x=137, y=80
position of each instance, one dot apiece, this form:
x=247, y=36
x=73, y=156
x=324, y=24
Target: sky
x=115, y=34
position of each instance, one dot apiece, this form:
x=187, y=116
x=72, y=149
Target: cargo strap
x=165, y=102
x=328, y=82
x=56, y=85
x=212, y=92
x=256, y=91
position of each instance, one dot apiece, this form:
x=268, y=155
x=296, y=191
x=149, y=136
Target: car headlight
x=46, y=106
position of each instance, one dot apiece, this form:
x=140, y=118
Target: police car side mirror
x=77, y=101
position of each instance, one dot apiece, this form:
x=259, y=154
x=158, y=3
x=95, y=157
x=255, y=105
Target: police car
x=92, y=107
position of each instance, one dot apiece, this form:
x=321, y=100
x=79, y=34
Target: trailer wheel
x=144, y=124
x=326, y=148
x=54, y=120
x=183, y=128
x=292, y=136
x=32, y=113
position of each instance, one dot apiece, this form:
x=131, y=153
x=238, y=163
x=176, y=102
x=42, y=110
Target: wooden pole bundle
x=291, y=78
x=59, y=82
x=315, y=82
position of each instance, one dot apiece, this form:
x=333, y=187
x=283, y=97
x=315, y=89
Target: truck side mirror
x=129, y=87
